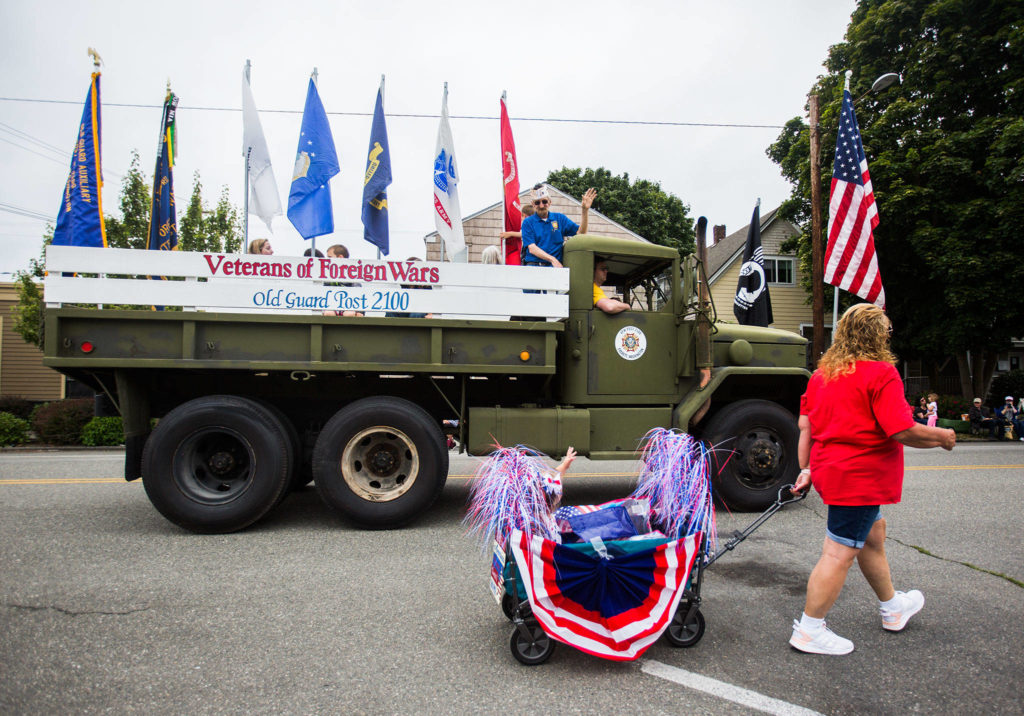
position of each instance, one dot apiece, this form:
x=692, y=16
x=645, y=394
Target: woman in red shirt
x=854, y=422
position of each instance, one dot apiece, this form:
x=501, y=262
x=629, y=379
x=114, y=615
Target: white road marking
x=722, y=690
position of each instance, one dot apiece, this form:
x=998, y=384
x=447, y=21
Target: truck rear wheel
x=380, y=462
x=756, y=444
x=217, y=464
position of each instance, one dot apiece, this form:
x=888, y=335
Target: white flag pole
x=245, y=226
x=501, y=242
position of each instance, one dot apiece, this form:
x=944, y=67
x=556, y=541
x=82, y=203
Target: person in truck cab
x=601, y=300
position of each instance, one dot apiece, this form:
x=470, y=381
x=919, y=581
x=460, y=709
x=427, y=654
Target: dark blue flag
x=376, y=181
x=752, y=305
x=163, y=220
x=80, y=219
x=309, y=202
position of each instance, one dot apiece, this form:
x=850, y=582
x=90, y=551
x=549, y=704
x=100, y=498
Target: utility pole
x=817, y=254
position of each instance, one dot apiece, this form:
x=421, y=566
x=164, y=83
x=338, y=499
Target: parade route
x=106, y=606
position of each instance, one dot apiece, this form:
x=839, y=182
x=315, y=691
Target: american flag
x=850, y=260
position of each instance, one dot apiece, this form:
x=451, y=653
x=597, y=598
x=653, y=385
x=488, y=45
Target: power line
x=32, y=151
x=24, y=135
x=34, y=140
x=638, y=122
x=21, y=211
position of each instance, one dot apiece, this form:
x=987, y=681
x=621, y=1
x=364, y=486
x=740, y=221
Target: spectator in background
x=260, y=246
x=1019, y=423
x=545, y=232
x=921, y=411
x=337, y=251
x=491, y=255
x=1009, y=417
x=933, y=409
x=981, y=420
x=313, y=252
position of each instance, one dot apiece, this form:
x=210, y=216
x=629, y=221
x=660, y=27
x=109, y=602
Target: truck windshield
x=644, y=284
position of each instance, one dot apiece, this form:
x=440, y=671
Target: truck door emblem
x=630, y=343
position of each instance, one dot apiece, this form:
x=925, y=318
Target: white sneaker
x=910, y=604
x=823, y=642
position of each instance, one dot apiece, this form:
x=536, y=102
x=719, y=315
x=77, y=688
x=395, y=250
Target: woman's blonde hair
x=256, y=246
x=862, y=334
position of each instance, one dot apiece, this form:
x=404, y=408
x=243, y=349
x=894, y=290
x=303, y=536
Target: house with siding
x=483, y=227
x=790, y=308
x=22, y=372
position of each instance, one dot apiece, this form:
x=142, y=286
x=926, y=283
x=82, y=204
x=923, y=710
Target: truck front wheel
x=217, y=464
x=755, y=445
x=380, y=462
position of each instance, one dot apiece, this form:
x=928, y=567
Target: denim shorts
x=850, y=525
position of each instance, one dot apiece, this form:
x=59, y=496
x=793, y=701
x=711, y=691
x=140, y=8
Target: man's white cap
x=541, y=193
x=1008, y=397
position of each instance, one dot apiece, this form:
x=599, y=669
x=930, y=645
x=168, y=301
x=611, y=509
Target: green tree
x=946, y=154
x=131, y=230
x=28, y=313
x=640, y=205
x=201, y=229
x=224, y=224
x=192, y=231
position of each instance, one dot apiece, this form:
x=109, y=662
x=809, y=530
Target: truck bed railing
x=227, y=283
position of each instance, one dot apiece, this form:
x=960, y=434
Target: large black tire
x=755, y=445
x=380, y=462
x=217, y=464
x=300, y=471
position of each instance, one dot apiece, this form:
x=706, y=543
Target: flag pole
x=382, y=109
x=245, y=226
x=504, y=101
x=316, y=83
x=835, y=292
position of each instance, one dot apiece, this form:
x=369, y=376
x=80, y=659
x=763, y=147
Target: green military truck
x=257, y=382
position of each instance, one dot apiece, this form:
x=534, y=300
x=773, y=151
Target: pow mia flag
x=752, y=305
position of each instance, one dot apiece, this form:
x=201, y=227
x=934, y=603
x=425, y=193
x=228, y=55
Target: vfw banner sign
x=216, y=281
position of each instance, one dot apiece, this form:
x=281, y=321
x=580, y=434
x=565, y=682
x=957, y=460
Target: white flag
x=447, y=214
x=264, y=201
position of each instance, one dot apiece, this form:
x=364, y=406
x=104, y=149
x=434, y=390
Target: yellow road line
x=573, y=476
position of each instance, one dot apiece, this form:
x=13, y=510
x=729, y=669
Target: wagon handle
x=738, y=536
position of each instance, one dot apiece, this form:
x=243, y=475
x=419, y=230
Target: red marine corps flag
x=850, y=260
x=510, y=178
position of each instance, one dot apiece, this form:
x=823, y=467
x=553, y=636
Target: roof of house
x=553, y=190
x=722, y=254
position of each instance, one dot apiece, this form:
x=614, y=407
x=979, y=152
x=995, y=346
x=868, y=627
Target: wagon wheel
x=685, y=629
x=532, y=647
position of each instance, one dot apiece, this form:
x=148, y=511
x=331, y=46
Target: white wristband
x=806, y=469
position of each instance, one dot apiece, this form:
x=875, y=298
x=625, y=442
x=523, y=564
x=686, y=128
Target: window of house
x=779, y=271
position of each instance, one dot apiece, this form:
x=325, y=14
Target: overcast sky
x=727, y=62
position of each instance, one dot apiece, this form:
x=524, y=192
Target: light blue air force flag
x=376, y=181
x=80, y=221
x=309, y=202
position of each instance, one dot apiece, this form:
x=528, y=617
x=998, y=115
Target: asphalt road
x=106, y=607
